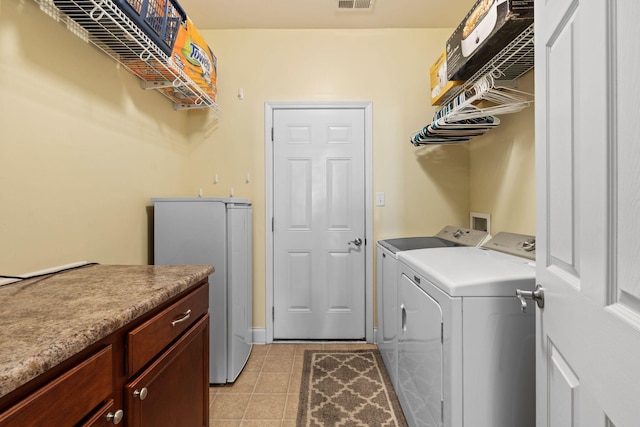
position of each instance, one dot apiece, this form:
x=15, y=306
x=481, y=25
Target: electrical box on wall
x=480, y=221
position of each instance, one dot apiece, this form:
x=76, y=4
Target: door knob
x=536, y=295
x=357, y=241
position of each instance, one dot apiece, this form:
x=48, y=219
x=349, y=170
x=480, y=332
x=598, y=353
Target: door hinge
x=271, y=134
x=442, y=332
x=273, y=313
x=273, y=227
x=442, y=412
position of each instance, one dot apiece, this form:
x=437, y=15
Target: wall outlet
x=380, y=198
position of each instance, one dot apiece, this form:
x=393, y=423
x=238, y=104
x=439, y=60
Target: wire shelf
x=510, y=63
x=105, y=25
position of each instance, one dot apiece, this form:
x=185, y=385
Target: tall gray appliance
x=215, y=231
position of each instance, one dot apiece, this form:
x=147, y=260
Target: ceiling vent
x=355, y=4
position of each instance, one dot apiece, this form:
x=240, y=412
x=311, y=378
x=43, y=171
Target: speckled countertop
x=47, y=320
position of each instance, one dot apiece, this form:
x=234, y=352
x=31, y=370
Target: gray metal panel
x=240, y=288
x=193, y=231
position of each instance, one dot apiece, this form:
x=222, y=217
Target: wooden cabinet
x=166, y=354
x=170, y=391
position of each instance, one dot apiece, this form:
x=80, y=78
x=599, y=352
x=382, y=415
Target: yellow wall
x=425, y=188
x=82, y=149
x=502, y=170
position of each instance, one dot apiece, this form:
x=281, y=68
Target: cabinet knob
x=117, y=417
x=141, y=394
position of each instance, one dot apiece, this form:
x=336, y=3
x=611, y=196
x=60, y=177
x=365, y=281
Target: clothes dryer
x=387, y=283
x=466, y=351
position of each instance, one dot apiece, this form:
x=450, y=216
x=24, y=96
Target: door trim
x=366, y=106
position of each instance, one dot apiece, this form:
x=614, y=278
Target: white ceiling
x=313, y=14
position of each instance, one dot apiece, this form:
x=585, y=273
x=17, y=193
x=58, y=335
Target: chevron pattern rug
x=347, y=388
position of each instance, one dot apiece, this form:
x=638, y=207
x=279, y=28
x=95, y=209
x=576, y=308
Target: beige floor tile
x=341, y=346
x=261, y=423
x=291, y=407
x=229, y=406
x=282, y=350
x=300, y=348
x=245, y=383
x=289, y=423
x=254, y=363
x=272, y=382
x=298, y=363
x=224, y=423
x=294, y=382
x=266, y=407
x=277, y=364
x=260, y=349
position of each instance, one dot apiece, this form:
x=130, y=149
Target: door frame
x=366, y=106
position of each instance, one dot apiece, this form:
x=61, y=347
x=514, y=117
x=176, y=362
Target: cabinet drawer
x=147, y=341
x=69, y=398
x=106, y=416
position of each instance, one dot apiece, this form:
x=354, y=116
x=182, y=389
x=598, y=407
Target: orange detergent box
x=440, y=85
x=192, y=55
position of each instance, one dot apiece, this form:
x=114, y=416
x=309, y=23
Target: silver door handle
x=357, y=241
x=536, y=295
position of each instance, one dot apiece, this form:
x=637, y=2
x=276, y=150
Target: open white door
x=588, y=212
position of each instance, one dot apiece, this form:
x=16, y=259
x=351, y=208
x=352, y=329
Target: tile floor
x=266, y=392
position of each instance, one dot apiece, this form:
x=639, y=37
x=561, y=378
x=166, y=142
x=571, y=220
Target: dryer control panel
x=521, y=245
x=464, y=236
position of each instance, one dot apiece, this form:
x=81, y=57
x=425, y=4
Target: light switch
x=380, y=198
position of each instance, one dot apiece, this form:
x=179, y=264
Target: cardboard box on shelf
x=440, y=84
x=488, y=27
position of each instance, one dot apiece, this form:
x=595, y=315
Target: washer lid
x=471, y=271
x=411, y=243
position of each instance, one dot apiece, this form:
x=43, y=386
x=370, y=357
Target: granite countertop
x=49, y=319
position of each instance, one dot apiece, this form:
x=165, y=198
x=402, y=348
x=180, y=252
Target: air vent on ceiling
x=355, y=4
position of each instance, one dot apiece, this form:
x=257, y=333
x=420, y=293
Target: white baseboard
x=259, y=336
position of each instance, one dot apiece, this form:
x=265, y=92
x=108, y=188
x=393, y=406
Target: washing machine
x=387, y=283
x=466, y=350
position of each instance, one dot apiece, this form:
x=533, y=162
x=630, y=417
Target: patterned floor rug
x=347, y=388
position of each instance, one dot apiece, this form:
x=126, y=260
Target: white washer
x=466, y=352
x=387, y=283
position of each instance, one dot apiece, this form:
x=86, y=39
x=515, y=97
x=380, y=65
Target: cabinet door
x=174, y=390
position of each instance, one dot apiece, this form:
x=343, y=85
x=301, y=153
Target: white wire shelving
x=512, y=62
x=105, y=25
x=459, y=120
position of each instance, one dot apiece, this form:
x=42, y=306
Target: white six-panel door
x=318, y=209
x=588, y=212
